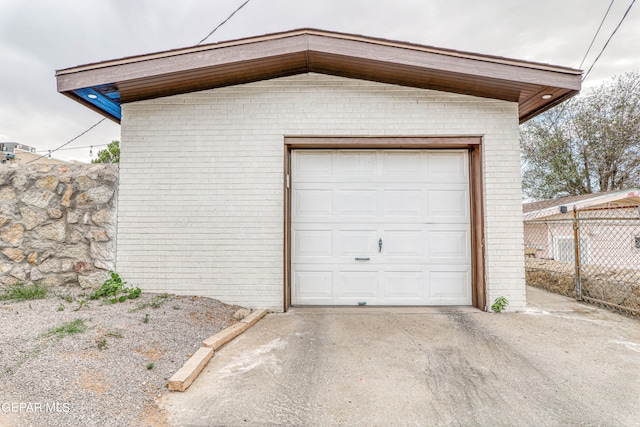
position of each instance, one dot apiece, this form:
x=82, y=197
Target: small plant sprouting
x=70, y=328
x=150, y=365
x=113, y=290
x=499, y=304
x=114, y=334
x=159, y=300
x=155, y=303
x=140, y=306
x=145, y=319
x=101, y=343
x=66, y=297
x=60, y=307
x=23, y=292
x=81, y=303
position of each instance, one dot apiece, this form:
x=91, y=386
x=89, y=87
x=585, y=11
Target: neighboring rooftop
x=609, y=199
x=104, y=86
x=10, y=147
x=14, y=152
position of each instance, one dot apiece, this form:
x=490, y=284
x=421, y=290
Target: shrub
x=114, y=290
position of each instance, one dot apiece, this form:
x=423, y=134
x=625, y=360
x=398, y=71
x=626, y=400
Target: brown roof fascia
x=124, y=70
x=311, y=31
x=146, y=76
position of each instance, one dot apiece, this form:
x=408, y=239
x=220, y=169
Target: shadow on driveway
x=559, y=363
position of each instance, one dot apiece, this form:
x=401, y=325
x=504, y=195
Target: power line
x=67, y=143
x=564, y=104
x=74, y=148
x=223, y=22
x=608, y=40
x=73, y=139
x=596, y=34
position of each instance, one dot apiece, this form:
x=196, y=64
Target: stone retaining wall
x=57, y=224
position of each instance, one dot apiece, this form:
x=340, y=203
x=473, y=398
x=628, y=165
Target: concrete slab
x=559, y=363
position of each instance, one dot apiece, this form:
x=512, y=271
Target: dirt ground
x=110, y=374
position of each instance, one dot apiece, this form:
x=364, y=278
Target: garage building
x=319, y=168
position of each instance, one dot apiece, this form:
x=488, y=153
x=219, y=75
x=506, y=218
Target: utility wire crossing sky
x=39, y=37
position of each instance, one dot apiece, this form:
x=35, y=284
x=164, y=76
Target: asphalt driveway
x=560, y=363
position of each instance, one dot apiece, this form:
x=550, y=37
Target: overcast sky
x=38, y=37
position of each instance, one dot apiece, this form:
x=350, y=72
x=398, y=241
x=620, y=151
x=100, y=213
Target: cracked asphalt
x=559, y=363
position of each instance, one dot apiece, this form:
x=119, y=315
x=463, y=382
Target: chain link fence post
x=592, y=255
x=576, y=248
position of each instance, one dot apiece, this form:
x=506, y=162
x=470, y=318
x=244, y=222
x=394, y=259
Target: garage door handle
x=362, y=259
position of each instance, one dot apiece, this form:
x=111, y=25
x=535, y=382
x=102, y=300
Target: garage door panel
x=312, y=203
x=403, y=286
x=403, y=244
x=312, y=243
x=311, y=165
x=357, y=284
x=402, y=203
x=448, y=205
x=313, y=287
x=357, y=202
x=449, y=284
x=448, y=244
x=357, y=164
x=356, y=243
x=447, y=166
x=401, y=164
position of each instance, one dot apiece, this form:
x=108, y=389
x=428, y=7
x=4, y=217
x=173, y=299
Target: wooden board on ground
x=182, y=379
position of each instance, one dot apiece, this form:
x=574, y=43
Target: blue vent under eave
x=104, y=97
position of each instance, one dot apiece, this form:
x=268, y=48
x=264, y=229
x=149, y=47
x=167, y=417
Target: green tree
x=110, y=155
x=587, y=145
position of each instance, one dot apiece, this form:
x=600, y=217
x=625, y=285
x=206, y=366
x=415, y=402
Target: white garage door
x=381, y=227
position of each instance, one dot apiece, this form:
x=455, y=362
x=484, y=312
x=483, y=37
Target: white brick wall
x=201, y=203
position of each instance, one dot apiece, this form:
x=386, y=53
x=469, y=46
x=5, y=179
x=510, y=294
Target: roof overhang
x=104, y=86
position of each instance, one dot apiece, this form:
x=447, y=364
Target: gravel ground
x=103, y=376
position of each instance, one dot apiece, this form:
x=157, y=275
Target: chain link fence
x=592, y=255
